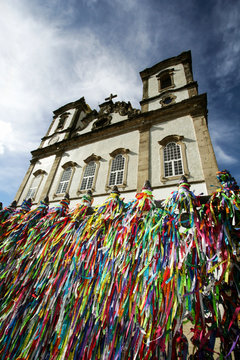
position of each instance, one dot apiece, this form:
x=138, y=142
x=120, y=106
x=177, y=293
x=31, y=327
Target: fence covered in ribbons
x=123, y=280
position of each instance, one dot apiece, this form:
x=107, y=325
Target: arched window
x=117, y=170
x=89, y=173
x=172, y=160
x=66, y=178
x=88, y=176
x=165, y=79
x=117, y=174
x=64, y=181
x=35, y=184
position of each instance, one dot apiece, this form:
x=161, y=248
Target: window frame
x=92, y=158
x=166, y=96
x=120, y=151
x=37, y=173
x=172, y=163
x=177, y=139
x=69, y=164
x=161, y=75
x=62, y=120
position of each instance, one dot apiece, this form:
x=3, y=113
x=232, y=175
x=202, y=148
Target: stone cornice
x=182, y=58
x=39, y=172
x=69, y=164
x=59, y=132
x=185, y=87
x=92, y=157
x=119, y=151
x=175, y=138
x=195, y=106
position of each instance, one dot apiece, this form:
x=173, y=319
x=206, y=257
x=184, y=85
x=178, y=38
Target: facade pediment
x=108, y=114
x=101, y=122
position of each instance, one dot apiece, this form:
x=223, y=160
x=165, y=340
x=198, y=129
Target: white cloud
x=222, y=130
x=42, y=68
x=227, y=58
x=44, y=65
x=6, y=133
x=222, y=157
x=223, y=136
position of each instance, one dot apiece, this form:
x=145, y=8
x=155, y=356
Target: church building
x=166, y=138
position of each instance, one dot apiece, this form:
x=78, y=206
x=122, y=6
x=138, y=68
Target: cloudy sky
x=54, y=52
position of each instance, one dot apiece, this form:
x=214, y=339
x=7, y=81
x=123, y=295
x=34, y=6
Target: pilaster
x=51, y=175
x=207, y=156
x=25, y=180
x=143, y=156
x=144, y=107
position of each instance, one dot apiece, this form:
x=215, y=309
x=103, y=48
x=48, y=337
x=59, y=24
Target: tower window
x=65, y=178
x=165, y=80
x=117, y=170
x=88, y=177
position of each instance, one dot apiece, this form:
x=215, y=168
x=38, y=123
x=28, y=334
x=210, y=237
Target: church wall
x=164, y=192
x=181, y=126
x=44, y=164
x=117, y=117
x=156, y=104
x=179, y=75
x=101, y=148
x=87, y=129
x=60, y=138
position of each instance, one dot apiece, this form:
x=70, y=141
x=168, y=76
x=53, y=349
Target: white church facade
x=168, y=137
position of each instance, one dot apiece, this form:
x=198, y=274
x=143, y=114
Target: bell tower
x=65, y=120
x=168, y=82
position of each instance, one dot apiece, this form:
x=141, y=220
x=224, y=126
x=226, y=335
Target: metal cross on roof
x=111, y=97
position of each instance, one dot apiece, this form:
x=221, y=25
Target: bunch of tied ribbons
x=122, y=281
